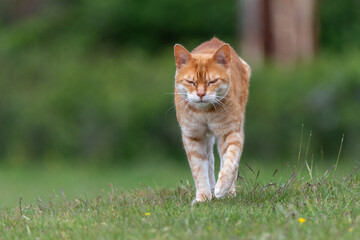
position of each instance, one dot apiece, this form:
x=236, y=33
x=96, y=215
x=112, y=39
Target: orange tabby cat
x=211, y=91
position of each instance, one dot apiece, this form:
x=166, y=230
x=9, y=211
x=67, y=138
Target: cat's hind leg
x=199, y=164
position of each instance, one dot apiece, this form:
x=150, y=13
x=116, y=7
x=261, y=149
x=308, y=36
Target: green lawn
x=149, y=202
x=87, y=181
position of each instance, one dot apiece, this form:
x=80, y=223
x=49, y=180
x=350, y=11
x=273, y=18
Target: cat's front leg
x=197, y=156
x=210, y=140
x=231, y=148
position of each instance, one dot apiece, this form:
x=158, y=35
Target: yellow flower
x=302, y=220
x=350, y=229
x=147, y=214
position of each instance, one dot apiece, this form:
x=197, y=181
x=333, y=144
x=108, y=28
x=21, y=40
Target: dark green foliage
x=323, y=95
x=102, y=107
x=339, y=24
x=153, y=24
x=146, y=24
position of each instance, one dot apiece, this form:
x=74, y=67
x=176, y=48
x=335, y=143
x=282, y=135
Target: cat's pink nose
x=201, y=94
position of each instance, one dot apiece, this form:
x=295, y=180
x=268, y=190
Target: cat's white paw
x=201, y=198
x=232, y=192
x=220, y=192
x=193, y=202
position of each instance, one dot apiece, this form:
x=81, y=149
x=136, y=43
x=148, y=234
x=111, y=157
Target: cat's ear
x=222, y=55
x=182, y=56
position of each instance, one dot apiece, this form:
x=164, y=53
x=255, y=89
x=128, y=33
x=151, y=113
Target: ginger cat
x=211, y=91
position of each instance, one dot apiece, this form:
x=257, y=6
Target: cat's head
x=202, y=79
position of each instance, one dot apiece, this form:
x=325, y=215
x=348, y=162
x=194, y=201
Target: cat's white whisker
x=171, y=93
x=182, y=102
x=217, y=101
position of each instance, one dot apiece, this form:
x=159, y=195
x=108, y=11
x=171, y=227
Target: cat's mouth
x=201, y=101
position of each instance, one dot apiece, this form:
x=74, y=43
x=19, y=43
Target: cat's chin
x=201, y=105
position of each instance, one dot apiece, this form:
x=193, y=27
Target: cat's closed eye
x=213, y=81
x=191, y=82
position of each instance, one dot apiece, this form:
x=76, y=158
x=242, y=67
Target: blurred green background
x=89, y=82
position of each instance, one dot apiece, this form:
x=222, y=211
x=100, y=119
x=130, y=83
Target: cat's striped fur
x=211, y=91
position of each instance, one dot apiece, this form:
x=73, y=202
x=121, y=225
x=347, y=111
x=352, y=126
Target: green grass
x=88, y=182
x=266, y=207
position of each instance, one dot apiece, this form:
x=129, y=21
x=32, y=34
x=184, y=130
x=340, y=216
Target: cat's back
x=208, y=47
